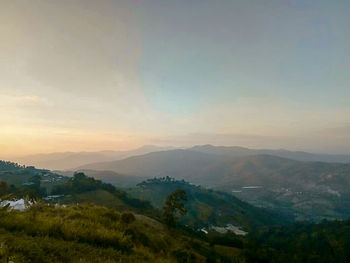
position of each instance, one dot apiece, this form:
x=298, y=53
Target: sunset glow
x=114, y=75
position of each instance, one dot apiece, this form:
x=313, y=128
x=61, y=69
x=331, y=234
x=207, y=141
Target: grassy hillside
x=87, y=233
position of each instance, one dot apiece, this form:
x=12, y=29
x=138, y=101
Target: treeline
x=161, y=180
x=326, y=242
x=32, y=190
x=80, y=183
x=10, y=166
x=70, y=190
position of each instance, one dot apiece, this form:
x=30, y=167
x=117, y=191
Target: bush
x=128, y=217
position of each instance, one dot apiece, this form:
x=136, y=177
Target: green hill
x=206, y=207
x=22, y=180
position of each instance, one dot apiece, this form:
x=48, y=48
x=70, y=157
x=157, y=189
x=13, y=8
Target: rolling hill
x=311, y=190
x=174, y=163
x=206, y=207
x=111, y=177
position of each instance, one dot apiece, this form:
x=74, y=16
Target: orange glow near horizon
x=19, y=141
x=89, y=75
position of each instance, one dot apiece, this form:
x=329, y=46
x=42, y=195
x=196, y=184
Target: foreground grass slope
x=89, y=233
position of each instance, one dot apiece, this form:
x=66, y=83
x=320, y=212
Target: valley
x=305, y=190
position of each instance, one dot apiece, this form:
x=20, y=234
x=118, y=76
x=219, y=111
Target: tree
x=173, y=207
x=4, y=189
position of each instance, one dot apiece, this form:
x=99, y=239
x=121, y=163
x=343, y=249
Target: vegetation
x=326, y=242
x=306, y=190
x=88, y=233
x=84, y=189
x=173, y=207
x=206, y=207
x=28, y=181
x=81, y=183
x=32, y=192
x=36, y=184
x=128, y=229
x=9, y=166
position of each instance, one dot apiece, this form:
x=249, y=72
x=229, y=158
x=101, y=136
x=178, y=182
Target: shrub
x=128, y=217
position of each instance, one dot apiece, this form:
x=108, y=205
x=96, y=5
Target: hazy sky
x=96, y=75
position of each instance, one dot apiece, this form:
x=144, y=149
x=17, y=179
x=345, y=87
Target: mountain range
x=305, y=185
x=71, y=160
x=236, y=151
x=309, y=190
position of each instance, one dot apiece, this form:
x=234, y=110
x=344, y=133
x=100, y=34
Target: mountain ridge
x=313, y=190
x=295, y=155
x=70, y=160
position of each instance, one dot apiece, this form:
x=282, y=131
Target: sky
x=83, y=75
